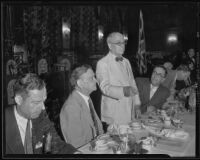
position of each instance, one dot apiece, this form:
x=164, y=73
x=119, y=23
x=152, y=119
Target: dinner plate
x=103, y=137
x=171, y=134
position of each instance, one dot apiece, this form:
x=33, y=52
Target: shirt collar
x=18, y=116
x=20, y=119
x=113, y=55
x=154, y=87
x=86, y=98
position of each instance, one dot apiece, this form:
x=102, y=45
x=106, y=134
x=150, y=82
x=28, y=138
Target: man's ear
x=109, y=46
x=79, y=83
x=18, y=99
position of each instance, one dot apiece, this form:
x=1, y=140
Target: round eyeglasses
x=120, y=43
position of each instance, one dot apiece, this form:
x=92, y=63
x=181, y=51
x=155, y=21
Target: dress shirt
x=86, y=98
x=22, y=123
x=153, y=90
x=174, y=82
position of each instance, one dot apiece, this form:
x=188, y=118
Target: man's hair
x=111, y=36
x=161, y=66
x=27, y=82
x=183, y=68
x=77, y=72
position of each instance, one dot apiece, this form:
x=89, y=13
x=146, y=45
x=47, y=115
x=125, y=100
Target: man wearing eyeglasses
x=116, y=81
x=151, y=91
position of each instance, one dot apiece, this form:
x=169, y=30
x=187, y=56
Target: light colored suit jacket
x=76, y=122
x=112, y=77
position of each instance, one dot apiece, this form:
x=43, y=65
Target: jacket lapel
x=157, y=94
x=14, y=142
x=84, y=108
x=118, y=70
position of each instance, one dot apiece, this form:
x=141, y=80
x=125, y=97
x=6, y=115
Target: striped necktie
x=28, y=140
x=92, y=111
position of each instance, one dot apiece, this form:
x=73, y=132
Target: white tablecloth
x=184, y=149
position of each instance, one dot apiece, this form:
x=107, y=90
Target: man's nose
x=95, y=80
x=43, y=106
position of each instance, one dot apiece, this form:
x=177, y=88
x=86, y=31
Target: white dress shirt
x=86, y=98
x=153, y=89
x=22, y=123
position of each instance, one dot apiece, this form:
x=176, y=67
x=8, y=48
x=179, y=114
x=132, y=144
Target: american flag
x=141, y=54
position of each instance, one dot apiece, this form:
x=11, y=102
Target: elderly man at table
x=27, y=123
x=116, y=81
x=78, y=119
x=151, y=91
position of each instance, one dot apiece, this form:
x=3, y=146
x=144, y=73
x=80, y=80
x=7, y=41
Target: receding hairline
x=112, y=35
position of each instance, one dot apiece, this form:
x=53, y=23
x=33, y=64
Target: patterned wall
x=42, y=32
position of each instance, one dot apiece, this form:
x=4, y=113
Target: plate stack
x=101, y=145
x=136, y=126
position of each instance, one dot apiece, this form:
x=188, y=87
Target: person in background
x=27, y=123
x=117, y=83
x=193, y=75
x=181, y=73
x=151, y=91
x=168, y=65
x=78, y=119
x=191, y=55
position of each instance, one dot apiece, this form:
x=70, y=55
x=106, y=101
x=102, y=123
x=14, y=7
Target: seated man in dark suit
x=27, y=123
x=152, y=94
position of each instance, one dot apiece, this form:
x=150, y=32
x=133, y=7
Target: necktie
x=92, y=111
x=119, y=59
x=28, y=140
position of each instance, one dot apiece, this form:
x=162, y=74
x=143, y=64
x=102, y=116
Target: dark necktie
x=92, y=111
x=119, y=59
x=28, y=140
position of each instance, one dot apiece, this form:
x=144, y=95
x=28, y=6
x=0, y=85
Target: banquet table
x=173, y=149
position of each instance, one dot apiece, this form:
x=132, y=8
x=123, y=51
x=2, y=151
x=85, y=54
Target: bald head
x=116, y=43
x=115, y=37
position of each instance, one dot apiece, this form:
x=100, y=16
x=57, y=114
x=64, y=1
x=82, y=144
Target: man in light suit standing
x=78, y=119
x=116, y=81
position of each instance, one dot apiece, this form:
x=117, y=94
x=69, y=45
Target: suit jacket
x=112, y=77
x=76, y=122
x=157, y=100
x=40, y=126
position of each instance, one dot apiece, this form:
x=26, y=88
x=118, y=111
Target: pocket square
x=38, y=145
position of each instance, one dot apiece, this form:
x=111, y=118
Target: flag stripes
x=141, y=54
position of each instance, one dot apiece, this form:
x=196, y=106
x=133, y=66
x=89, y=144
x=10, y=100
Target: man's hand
x=151, y=109
x=129, y=91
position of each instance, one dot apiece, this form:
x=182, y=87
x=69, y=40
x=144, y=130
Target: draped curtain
x=8, y=30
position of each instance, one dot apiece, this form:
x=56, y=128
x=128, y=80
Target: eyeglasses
x=119, y=43
x=159, y=74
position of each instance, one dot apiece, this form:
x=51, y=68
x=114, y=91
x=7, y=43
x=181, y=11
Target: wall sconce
x=100, y=32
x=172, y=38
x=66, y=29
x=125, y=36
